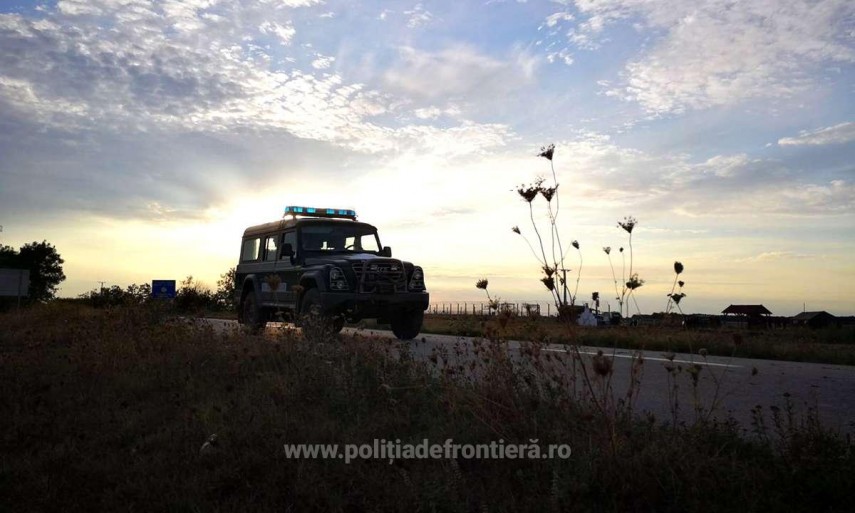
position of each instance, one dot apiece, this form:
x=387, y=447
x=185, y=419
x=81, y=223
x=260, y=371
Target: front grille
x=380, y=277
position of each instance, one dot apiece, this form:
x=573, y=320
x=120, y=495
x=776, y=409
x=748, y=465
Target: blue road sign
x=163, y=289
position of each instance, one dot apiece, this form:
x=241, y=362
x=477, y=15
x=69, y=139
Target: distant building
x=747, y=310
x=743, y=316
x=815, y=319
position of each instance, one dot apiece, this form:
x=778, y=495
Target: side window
x=270, y=248
x=289, y=238
x=249, y=252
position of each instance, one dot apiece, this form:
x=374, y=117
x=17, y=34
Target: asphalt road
x=735, y=386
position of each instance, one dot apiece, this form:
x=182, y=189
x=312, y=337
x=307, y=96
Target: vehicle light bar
x=334, y=213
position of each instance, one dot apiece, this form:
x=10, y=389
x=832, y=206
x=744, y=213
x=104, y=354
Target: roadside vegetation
x=833, y=345
x=115, y=408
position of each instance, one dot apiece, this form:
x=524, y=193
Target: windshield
x=344, y=237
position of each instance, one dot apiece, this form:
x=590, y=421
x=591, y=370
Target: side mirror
x=288, y=251
x=386, y=252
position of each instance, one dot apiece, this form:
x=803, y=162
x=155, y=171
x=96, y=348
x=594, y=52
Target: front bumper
x=361, y=306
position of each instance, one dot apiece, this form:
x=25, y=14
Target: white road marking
x=617, y=355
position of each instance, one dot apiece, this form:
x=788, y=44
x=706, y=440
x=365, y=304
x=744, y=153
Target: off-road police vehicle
x=323, y=263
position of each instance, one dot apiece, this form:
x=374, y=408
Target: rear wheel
x=406, y=325
x=253, y=316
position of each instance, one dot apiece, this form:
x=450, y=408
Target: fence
x=483, y=308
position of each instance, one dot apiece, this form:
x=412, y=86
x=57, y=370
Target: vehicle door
x=288, y=269
x=270, y=281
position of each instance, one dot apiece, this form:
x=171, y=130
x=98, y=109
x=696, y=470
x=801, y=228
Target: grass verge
x=109, y=410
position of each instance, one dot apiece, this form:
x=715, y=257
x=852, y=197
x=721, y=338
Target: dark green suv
x=322, y=262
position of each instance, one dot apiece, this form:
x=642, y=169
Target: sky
x=142, y=137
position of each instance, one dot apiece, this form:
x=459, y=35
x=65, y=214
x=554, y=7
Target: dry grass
x=107, y=410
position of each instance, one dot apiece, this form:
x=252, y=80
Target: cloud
x=323, y=62
x=168, y=74
x=134, y=122
x=458, y=71
x=771, y=256
x=837, y=134
x=711, y=53
x=434, y=112
x=418, y=16
x=605, y=175
x=284, y=32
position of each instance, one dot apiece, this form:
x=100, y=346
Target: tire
x=253, y=316
x=406, y=325
x=315, y=323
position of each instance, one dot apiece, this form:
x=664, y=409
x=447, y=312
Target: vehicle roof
x=276, y=226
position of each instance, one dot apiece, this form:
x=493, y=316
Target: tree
x=9, y=257
x=225, y=295
x=45, y=266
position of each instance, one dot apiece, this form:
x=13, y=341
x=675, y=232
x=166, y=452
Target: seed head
x=548, y=192
x=549, y=281
x=602, y=364
x=678, y=267
x=547, y=151
x=628, y=223
x=634, y=282
x=482, y=284
x=607, y=249
x=681, y=283
x=516, y=229
x=575, y=244
x=528, y=193
x=676, y=297
x=549, y=271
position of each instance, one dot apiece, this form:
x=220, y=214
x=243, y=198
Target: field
x=111, y=409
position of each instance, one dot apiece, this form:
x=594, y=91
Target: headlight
x=337, y=279
x=417, y=280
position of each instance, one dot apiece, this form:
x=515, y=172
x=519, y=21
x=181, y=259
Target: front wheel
x=406, y=325
x=315, y=323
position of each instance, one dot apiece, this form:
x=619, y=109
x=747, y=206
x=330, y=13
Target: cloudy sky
x=141, y=137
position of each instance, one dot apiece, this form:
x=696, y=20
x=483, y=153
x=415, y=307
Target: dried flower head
x=547, y=151
x=516, y=229
x=620, y=249
x=548, y=192
x=529, y=192
x=628, y=223
x=681, y=283
x=678, y=267
x=482, y=284
x=607, y=249
x=575, y=244
x=549, y=281
x=548, y=271
x=676, y=297
x=634, y=282
x=602, y=364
